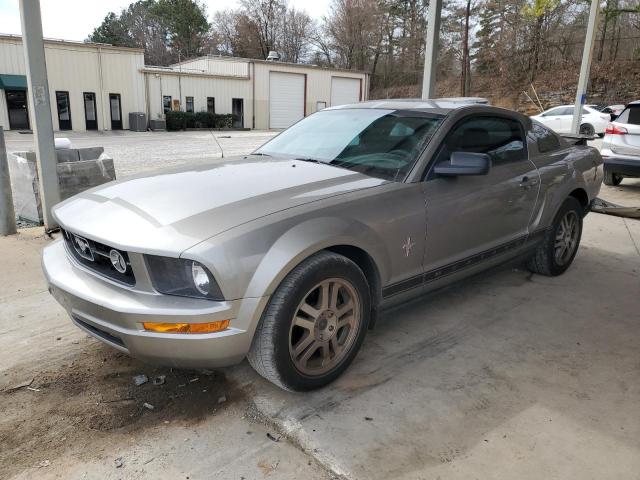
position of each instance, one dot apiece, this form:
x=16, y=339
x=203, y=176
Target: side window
x=630, y=115
x=567, y=111
x=501, y=138
x=553, y=112
x=546, y=140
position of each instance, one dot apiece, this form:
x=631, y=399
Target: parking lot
x=509, y=375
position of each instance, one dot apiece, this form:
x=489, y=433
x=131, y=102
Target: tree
x=267, y=16
x=112, y=31
x=186, y=22
x=165, y=29
x=297, y=30
x=539, y=11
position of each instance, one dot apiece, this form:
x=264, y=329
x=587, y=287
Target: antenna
x=217, y=143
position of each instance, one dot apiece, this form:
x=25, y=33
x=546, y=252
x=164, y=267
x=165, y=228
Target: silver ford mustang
x=287, y=255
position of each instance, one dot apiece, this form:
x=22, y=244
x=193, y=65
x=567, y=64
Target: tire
x=587, y=129
x=612, y=179
x=545, y=260
x=601, y=135
x=279, y=337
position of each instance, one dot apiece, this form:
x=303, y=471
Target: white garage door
x=286, y=99
x=344, y=90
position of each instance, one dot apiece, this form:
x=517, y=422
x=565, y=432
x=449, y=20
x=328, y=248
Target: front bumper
x=114, y=314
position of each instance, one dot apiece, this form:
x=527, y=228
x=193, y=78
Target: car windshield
x=376, y=142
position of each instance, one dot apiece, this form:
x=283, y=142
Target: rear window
x=547, y=141
x=631, y=115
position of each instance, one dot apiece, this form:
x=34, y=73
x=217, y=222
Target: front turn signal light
x=209, y=327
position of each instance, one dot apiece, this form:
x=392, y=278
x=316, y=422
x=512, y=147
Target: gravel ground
x=139, y=152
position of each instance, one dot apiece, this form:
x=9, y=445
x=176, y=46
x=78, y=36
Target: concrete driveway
x=507, y=376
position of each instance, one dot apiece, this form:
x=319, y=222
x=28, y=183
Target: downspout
x=253, y=95
x=180, y=82
x=102, y=105
x=146, y=94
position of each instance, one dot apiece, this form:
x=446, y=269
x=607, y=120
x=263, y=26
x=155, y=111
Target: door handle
x=528, y=182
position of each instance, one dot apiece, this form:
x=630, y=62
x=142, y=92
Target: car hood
x=168, y=212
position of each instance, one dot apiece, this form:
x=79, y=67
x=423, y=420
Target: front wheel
x=560, y=243
x=313, y=325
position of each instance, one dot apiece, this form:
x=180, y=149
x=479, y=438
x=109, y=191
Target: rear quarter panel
x=563, y=171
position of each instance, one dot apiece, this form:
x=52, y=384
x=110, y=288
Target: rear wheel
x=612, y=179
x=314, y=324
x=587, y=129
x=560, y=244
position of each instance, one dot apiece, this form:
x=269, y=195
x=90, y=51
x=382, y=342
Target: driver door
x=469, y=218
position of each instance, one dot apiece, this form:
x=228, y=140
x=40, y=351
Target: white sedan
x=559, y=119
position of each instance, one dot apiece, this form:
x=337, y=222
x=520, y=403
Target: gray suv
x=621, y=146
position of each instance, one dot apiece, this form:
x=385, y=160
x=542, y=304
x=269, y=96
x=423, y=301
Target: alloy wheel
x=566, y=240
x=325, y=326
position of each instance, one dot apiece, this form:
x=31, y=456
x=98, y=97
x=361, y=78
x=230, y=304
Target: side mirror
x=464, y=163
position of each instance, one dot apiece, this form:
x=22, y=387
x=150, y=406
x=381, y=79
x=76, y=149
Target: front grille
x=96, y=257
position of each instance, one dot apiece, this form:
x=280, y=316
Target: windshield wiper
x=311, y=160
x=260, y=154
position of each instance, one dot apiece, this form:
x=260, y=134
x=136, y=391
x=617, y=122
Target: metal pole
x=40, y=106
x=431, y=49
x=587, y=53
x=7, y=214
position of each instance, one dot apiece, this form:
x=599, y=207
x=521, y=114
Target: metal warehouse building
x=96, y=86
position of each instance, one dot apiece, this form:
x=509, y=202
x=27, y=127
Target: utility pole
x=431, y=49
x=7, y=214
x=585, y=67
x=40, y=107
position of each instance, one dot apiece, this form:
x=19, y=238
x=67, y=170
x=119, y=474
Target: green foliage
x=168, y=30
x=186, y=22
x=539, y=8
x=182, y=120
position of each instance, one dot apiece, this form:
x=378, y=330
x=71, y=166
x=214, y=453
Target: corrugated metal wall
x=318, y=87
x=76, y=69
x=198, y=87
x=217, y=66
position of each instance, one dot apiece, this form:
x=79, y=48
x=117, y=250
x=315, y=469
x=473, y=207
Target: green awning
x=13, y=82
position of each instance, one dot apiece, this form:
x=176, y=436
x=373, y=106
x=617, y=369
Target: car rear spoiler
x=577, y=138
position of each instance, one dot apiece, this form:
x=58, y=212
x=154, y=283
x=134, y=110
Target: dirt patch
x=92, y=394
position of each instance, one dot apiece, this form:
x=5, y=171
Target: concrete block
x=90, y=153
x=73, y=177
x=24, y=185
x=76, y=177
x=67, y=155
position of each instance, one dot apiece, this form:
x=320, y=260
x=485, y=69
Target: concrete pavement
x=509, y=375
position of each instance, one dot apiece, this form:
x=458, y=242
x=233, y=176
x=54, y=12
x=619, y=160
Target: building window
x=211, y=105
x=166, y=103
x=189, y=104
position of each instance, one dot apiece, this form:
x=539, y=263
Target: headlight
x=200, y=278
x=182, y=277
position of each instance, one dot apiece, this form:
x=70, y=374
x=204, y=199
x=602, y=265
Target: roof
x=57, y=41
x=439, y=105
x=185, y=73
x=268, y=62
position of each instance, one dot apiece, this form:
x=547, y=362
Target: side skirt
x=524, y=243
